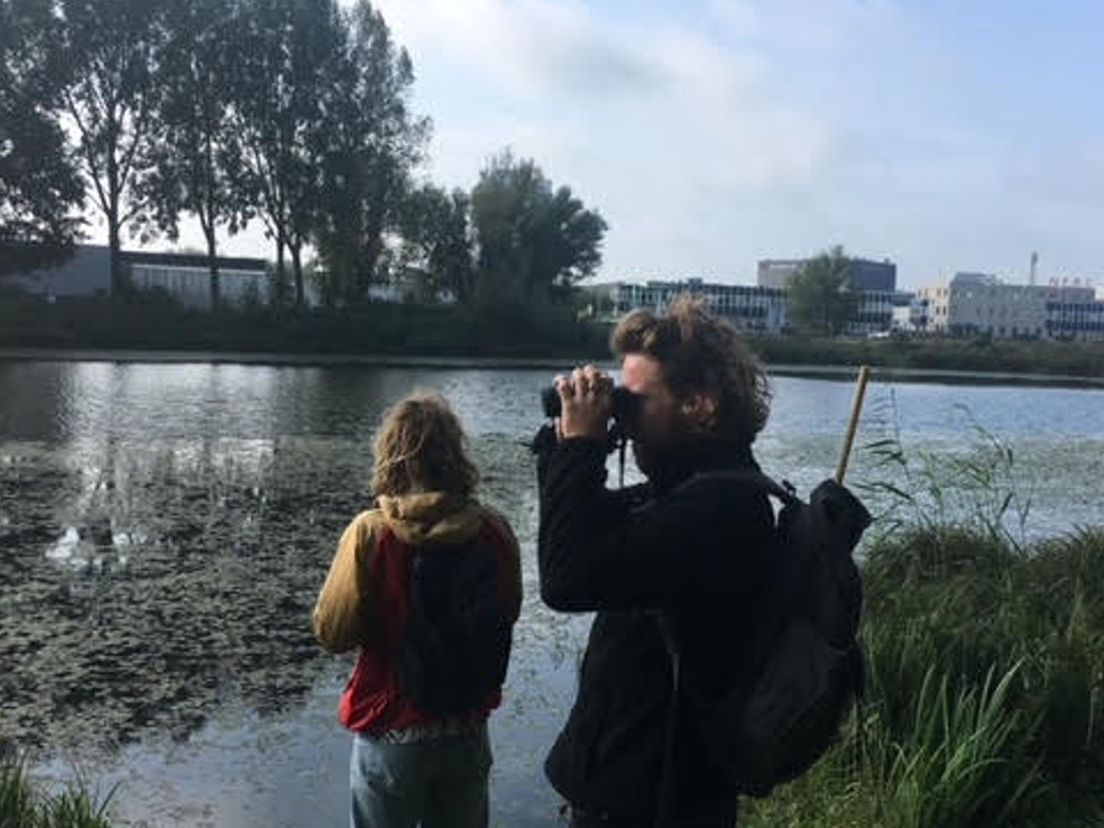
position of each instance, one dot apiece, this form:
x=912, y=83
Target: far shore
x=116, y=355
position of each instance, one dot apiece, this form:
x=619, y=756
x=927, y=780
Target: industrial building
x=974, y=304
x=747, y=306
x=182, y=276
x=866, y=275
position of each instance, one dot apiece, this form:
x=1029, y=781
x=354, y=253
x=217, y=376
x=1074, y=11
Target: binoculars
x=625, y=403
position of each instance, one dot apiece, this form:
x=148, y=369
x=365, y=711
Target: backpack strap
x=784, y=491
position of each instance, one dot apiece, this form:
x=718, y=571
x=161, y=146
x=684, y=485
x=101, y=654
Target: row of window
x=1073, y=325
x=999, y=330
x=651, y=297
x=752, y=313
x=192, y=286
x=873, y=318
x=1053, y=329
x=1095, y=308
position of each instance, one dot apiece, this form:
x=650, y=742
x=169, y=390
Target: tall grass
x=952, y=765
x=985, y=703
x=24, y=806
x=978, y=488
x=17, y=801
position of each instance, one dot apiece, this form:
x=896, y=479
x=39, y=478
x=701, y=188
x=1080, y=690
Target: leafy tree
x=532, y=238
x=198, y=164
x=39, y=186
x=112, y=102
x=436, y=236
x=568, y=241
x=370, y=143
x=291, y=56
x=821, y=297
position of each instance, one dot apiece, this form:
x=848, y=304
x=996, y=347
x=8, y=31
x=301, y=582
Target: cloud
x=1072, y=174
x=714, y=133
x=529, y=49
x=635, y=94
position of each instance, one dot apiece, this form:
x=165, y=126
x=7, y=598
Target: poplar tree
x=112, y=101
x=198, y=164
x=40, y=189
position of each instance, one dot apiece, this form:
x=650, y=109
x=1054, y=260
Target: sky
x=945, y=136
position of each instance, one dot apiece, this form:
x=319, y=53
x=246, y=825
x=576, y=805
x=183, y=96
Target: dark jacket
x=700, y=549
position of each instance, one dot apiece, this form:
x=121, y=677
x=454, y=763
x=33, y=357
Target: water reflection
x=148, y=585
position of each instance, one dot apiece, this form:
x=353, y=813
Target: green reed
x=985, y=700
x=23, y=805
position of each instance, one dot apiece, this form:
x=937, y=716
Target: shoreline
x=308, y=360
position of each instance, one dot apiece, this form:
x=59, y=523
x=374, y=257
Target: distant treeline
x=1082, y=359
x=294, y=113
x=522, y=329
x=378, y=328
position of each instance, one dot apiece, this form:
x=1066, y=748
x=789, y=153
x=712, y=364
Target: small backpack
x=812, y=667
x=456, y=645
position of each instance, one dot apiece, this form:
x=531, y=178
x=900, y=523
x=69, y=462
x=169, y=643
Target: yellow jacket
x=343, y=612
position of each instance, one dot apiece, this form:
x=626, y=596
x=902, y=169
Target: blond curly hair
x=420, y=447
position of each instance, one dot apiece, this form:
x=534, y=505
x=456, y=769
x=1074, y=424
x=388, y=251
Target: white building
x=748, y=307
x=866, y=274
x=981, y=304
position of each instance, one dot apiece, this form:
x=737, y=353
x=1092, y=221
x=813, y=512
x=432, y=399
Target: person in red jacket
x=428, y=586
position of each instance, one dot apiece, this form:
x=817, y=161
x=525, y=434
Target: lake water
x=164, y=530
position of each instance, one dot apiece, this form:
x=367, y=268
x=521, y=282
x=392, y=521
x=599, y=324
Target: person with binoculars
x=683, y=561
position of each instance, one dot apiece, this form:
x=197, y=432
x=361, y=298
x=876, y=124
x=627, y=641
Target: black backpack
x=812, y=667
x=456, y=645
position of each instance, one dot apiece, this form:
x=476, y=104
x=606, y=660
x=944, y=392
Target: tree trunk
x=365, y=273
x=113, y=245
x=113, y=229
x=212, y=261
x=297, y=264
x=280, y=264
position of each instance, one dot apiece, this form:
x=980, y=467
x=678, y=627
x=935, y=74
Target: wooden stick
x=856, y=410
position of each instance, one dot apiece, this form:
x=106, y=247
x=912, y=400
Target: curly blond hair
x=420, y=447
x=701, y=353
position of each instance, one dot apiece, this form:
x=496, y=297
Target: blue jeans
x=437, y=784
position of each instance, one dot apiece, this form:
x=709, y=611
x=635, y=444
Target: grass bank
x=383, y=328
x=985, y=703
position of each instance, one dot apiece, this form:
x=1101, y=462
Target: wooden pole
x=856, y=410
